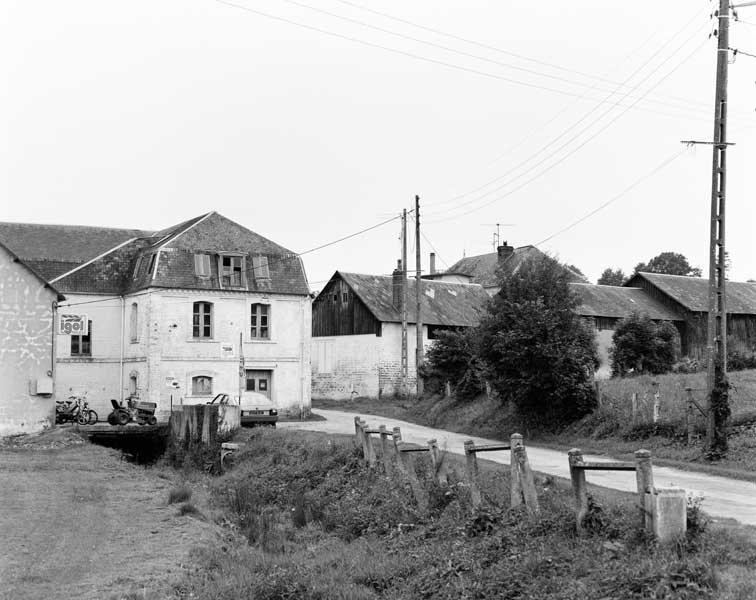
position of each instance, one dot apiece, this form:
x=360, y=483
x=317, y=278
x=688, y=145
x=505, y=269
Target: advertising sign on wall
x=73, y=324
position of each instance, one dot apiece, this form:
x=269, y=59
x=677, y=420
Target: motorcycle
x=75, y=409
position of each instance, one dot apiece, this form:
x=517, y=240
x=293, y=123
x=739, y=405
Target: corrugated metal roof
x=619, y=302
x=485, y=268
x=693, y=292
x=450, y=304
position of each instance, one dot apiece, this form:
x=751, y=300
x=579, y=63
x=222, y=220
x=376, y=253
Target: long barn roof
x=618, y=302
x=693, y=292
x=449, y=304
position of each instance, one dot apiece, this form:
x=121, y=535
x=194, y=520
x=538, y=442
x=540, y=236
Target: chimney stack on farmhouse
x=505, y=251
x=432, y=263
x=397, y=277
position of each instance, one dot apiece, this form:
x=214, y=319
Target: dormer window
x=231, y=271
x=202, y=265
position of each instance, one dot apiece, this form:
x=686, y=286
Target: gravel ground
x=77, y=521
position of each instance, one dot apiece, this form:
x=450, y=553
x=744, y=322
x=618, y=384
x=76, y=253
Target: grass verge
x=302, y=517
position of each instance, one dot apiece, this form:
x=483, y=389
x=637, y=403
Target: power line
x=631, y=187
x=560, y=160
x=477, y=56
x=351, y=235
x=575, y=124
x=501, y=50
x=735, y=52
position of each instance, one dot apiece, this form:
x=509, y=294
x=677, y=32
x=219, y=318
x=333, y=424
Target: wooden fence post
x=645, y=479
x=689, y=421
x=437, y=463
x=515, y=484
x=370, y=456
x=473, y=476
x=527, y=482
x=579, y=488
x=358, y=432
x=385, y=456
x=396, y=436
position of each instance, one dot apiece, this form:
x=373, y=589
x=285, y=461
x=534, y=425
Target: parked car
x=253, y=411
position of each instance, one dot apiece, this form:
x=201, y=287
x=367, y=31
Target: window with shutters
x=151, y=267
x=137, y=264
x=202, y=320
x=260, y=267
x=81, y=345
x=260, y=321
x=202, y=265
x=231, y=271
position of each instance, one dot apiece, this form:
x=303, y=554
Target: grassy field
x=609, y=430
x=301, y=517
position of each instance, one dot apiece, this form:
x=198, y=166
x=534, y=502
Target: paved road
x=723, y=498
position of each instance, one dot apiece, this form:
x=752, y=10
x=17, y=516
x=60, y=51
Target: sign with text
x=73, y=324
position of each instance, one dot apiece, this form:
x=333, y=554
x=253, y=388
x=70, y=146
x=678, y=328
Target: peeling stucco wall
x=26, y=321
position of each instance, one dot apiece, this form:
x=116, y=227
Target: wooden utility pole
x=418, y=299
x=716, y=343
x=404, y=387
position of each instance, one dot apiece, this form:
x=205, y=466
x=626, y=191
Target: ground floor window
x=258, y=381
x=202, y=385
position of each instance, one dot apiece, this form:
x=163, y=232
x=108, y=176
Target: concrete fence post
x=634, y=401
x=437, y=463
x=358, y=432
x=645, y=479
x=668, y=514
x=657, y=402
x=527, y=481
x=473, y=475
x=396, y=436
x=579, y=488
x=515, y=484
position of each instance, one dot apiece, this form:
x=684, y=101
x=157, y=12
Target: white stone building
x=176, y=315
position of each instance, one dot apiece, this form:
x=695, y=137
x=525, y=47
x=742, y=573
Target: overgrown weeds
x=181, y=493
x=309, y=520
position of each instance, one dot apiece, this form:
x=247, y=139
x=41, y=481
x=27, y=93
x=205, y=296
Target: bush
x=452, y=358
x=642, y=346
x=538, y=353
x=179, y=494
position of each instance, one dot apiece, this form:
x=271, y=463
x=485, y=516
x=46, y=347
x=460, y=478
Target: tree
x=538, y=354
x=576, y=270
x=641, y=346
x=452, y=358
x=610, y=277
x=670, y=263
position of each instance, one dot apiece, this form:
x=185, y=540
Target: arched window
x=202, y=385
x=202, y=320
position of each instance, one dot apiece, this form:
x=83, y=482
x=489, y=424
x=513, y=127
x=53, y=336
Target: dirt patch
x=77, y=521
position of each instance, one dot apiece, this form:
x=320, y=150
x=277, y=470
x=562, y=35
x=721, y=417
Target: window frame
x=242, y=270
x=80, y=340
x=202, y=260
x=260, y=267
x=201, y=304
x=196, y=378
x=134, y=323
x=255, y=318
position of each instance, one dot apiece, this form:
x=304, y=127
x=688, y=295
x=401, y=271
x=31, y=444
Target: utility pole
x=716, y=343
x=418, y=298
x=404, y=387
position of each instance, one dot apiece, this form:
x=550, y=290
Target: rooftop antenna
x=497, y=236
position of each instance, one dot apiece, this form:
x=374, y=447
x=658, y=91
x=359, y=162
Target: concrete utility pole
x=418, y=297
x=404, y=388
x=716, y=343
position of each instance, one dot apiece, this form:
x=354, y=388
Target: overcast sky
x=146, y=113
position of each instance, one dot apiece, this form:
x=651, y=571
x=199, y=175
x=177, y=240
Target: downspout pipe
x=120, y=359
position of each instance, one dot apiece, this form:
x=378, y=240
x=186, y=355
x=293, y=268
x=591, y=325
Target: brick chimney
x=504, y=251
x=432, y=263
x=396, y=285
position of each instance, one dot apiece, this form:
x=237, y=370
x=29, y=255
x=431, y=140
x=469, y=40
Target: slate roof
x=484, y=268
x=619, y=302
x=54, y=250
x=693, y=292
x=449, y=304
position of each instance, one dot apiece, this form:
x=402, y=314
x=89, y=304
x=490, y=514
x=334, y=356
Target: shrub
x=538, y=353
x=642, y=346
x=179, y=494
x=453, y=358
